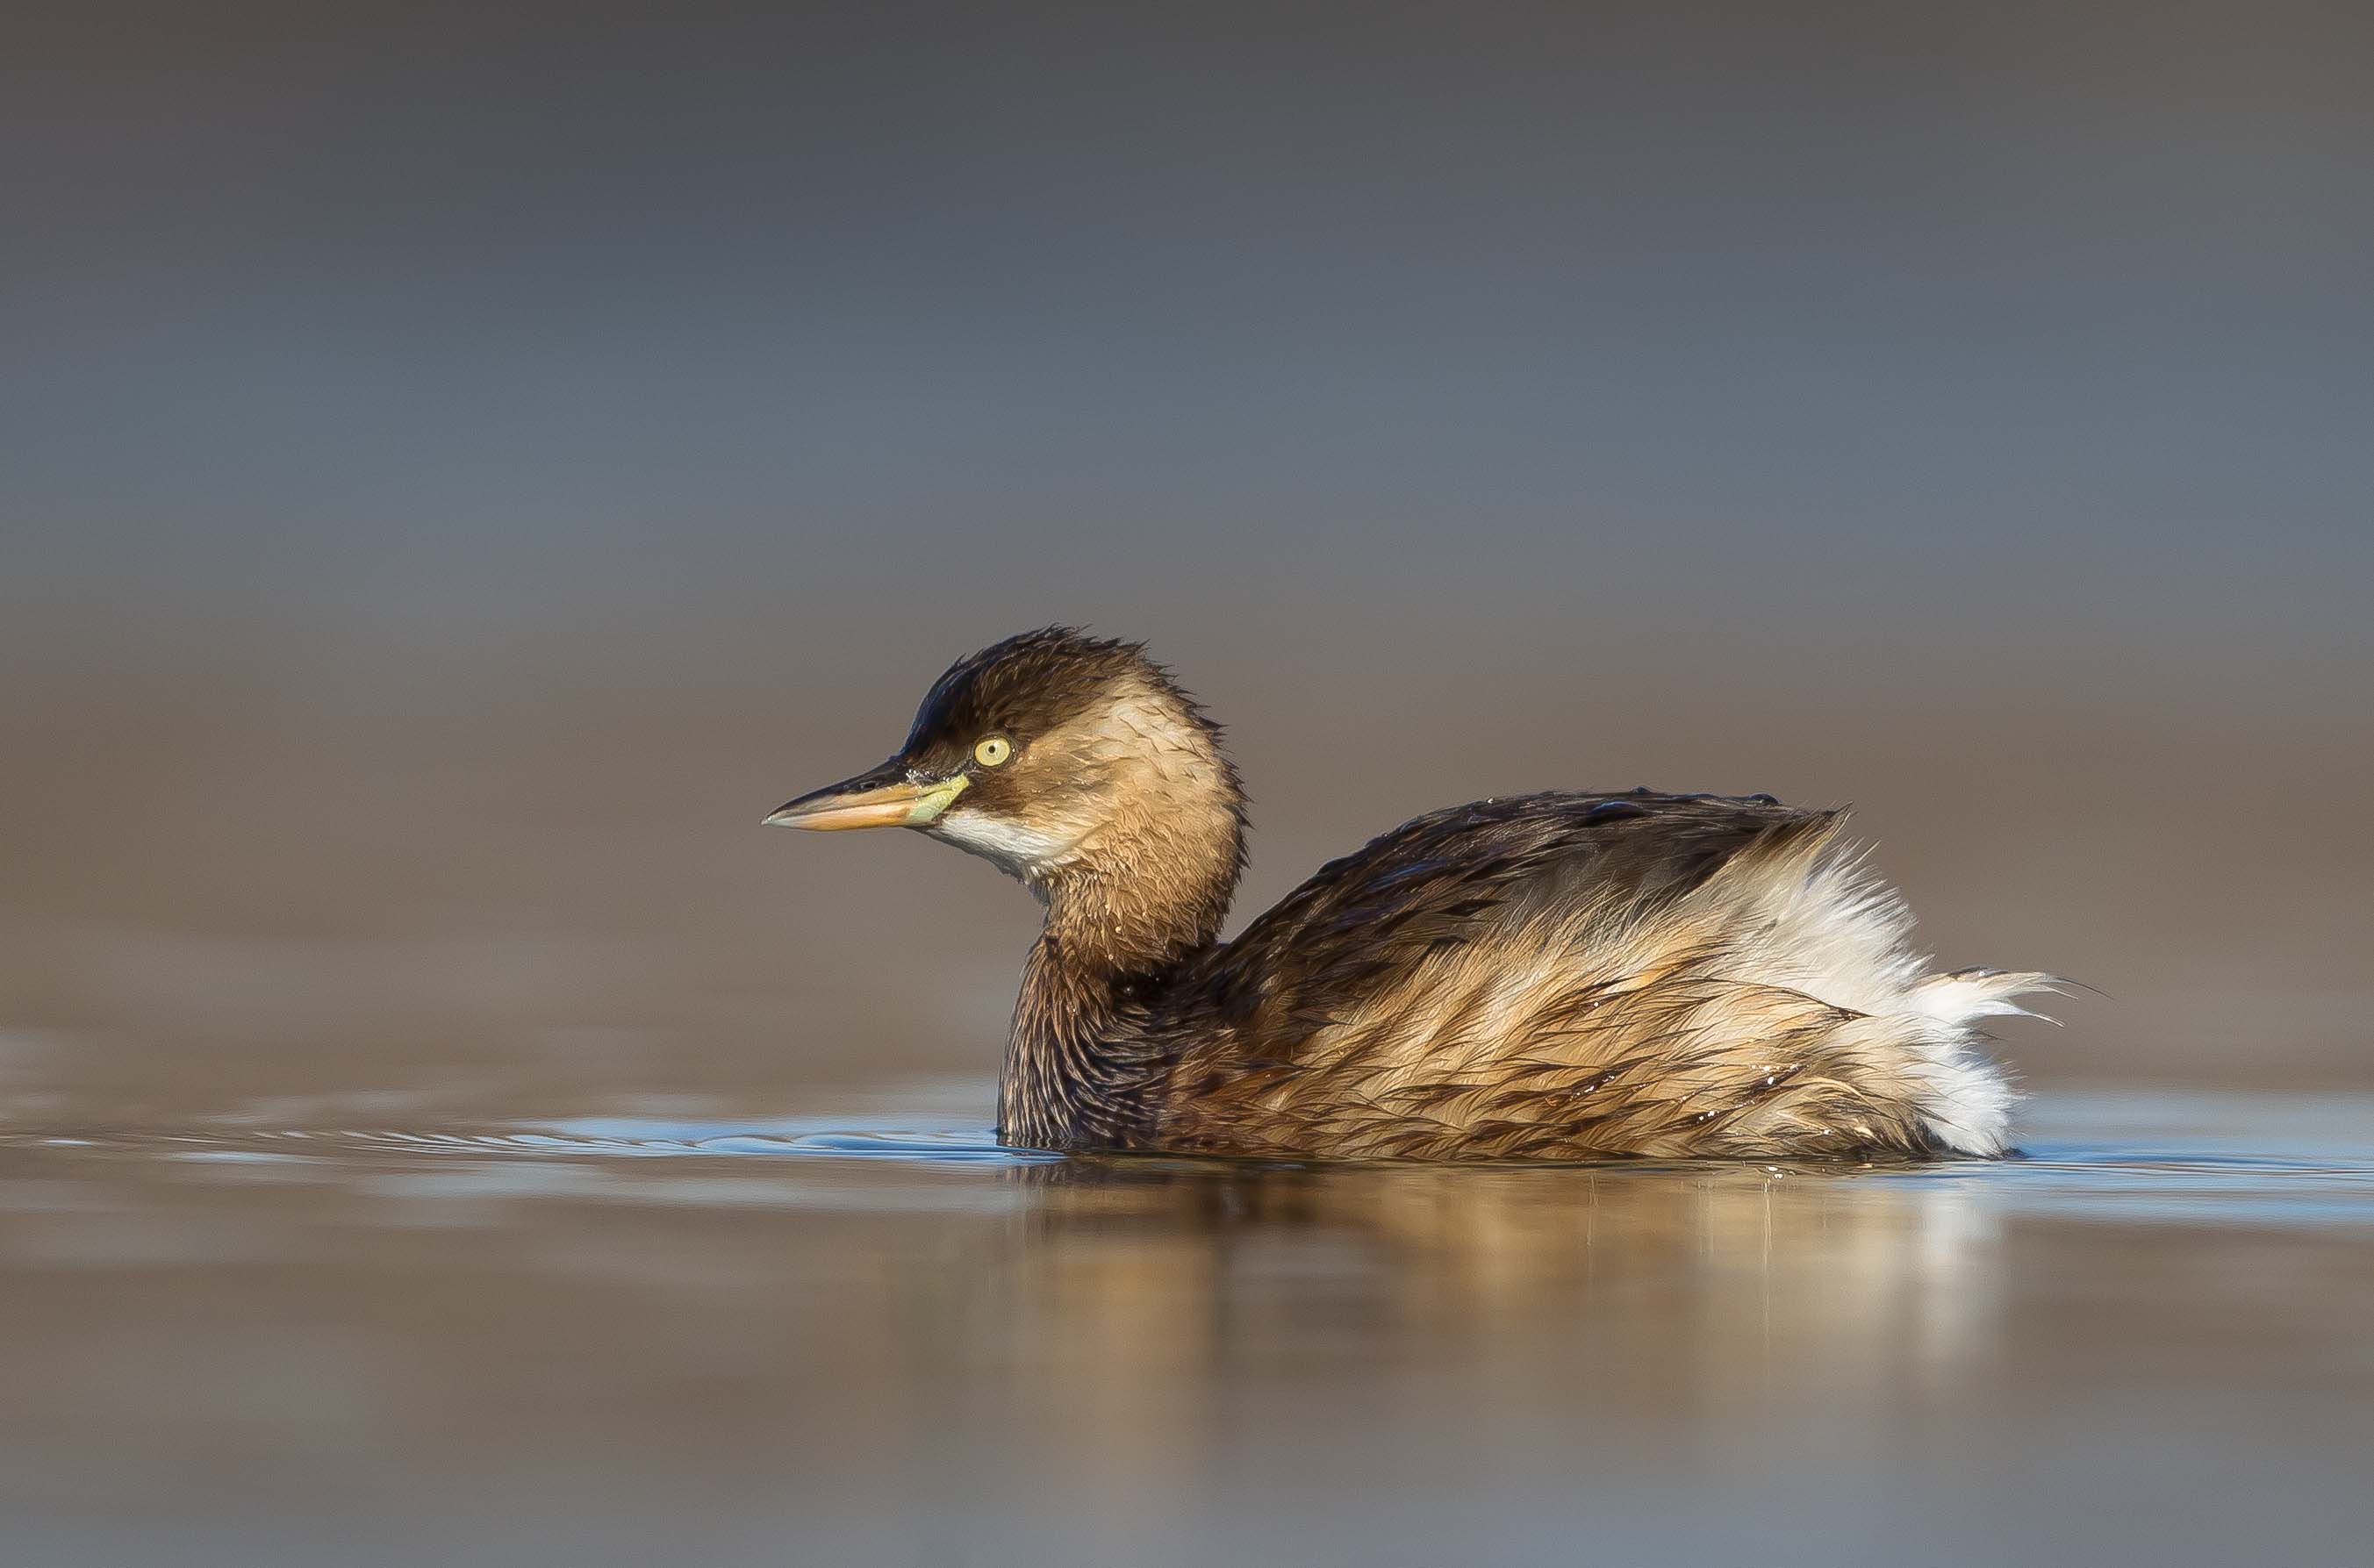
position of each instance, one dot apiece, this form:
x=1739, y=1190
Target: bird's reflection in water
x=1160, y=1315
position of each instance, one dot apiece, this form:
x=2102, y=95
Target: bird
x=1564, y=976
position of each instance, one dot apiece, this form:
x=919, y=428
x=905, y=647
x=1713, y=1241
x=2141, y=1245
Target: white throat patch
x=1013, y=848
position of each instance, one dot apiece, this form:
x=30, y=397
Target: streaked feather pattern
x=1548, y=979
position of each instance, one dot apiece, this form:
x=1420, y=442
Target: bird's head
x=1057, y=755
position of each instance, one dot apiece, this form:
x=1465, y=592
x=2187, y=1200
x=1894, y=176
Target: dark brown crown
x=1030, y=683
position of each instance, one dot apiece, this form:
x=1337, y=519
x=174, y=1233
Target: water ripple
x=2197, y=1159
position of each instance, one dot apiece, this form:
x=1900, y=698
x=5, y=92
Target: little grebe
x=1551, y=977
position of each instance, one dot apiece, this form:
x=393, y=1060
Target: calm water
x=868, y=1335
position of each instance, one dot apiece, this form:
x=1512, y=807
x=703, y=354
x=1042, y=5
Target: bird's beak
x=883, y=798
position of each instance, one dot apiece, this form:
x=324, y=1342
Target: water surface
x=864, y=1333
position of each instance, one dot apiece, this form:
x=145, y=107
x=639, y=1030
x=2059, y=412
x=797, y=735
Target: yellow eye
x=992, y=749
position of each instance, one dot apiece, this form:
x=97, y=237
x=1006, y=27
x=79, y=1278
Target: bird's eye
x=992, y=749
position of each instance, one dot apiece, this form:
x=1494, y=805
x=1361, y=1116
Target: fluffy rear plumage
x=1660, y=975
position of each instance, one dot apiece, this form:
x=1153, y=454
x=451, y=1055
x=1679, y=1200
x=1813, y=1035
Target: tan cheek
x=1062, y=762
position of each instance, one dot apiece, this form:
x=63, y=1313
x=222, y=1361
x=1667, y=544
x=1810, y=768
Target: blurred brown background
x=462, y=470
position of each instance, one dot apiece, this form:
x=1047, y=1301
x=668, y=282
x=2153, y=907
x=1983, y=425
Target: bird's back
x=1572, y=975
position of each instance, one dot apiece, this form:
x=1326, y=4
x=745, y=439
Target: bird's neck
x=1089, y=1046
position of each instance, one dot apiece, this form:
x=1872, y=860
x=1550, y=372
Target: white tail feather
x=1838, y=933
